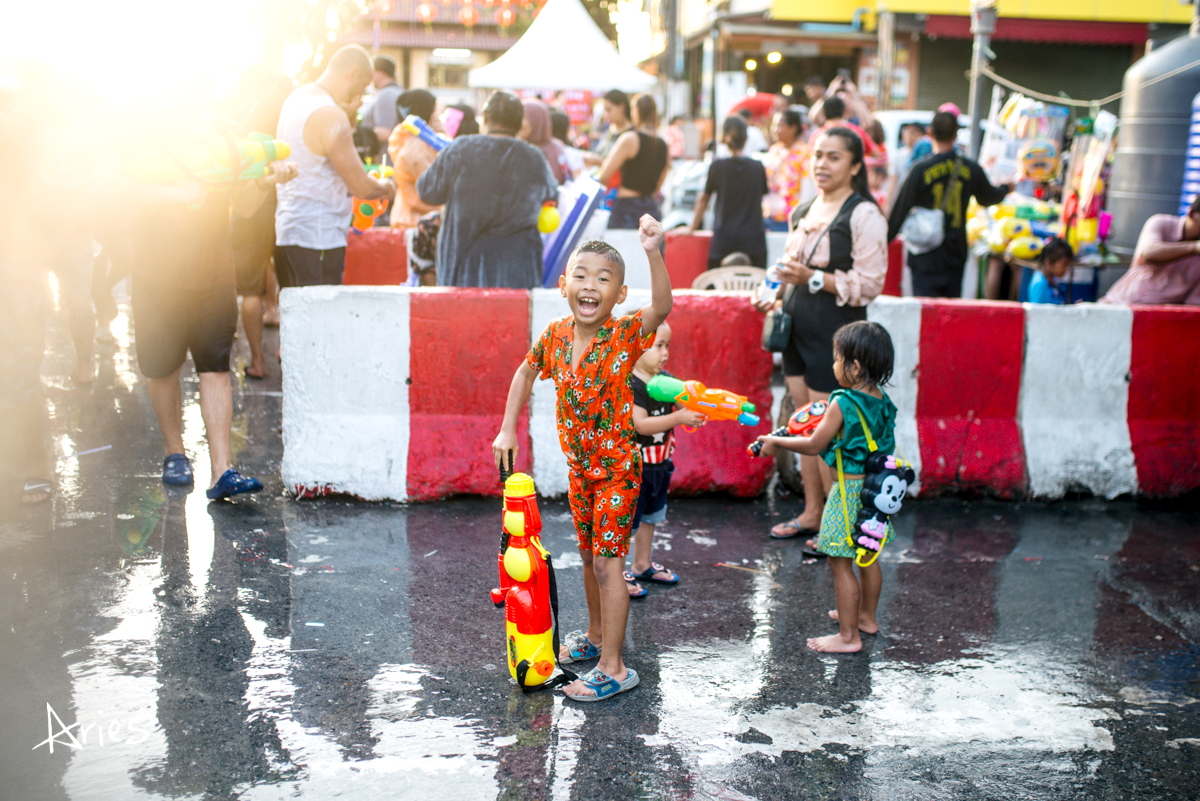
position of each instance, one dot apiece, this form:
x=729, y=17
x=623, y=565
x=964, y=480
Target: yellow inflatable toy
x=1026, y=248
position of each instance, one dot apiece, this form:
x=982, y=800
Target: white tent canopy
x=563, y=49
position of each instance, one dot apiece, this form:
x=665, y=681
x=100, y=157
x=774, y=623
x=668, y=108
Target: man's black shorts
x=168, y=322
x=297, y=266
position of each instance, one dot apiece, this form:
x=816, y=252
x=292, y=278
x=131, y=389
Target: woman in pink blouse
x=834, y=264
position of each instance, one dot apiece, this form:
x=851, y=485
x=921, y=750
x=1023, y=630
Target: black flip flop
x=811, y=554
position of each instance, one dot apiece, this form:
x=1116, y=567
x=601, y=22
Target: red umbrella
x=760, y=105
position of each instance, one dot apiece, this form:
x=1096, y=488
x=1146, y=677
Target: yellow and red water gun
x=715, y=404
x=527, y=589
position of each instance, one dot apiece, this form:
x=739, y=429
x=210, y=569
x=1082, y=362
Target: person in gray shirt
x=381, y=116
x=493, y=187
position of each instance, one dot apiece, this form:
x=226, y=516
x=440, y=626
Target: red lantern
x=426, y=13
x=505, y=17
x=468, y=16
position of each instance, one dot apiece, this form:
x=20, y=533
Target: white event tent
x=562, y=49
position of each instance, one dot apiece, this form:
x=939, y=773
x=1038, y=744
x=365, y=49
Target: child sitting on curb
x=590, y=356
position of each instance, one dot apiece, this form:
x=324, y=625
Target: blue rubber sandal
x=603, y=685
x=579, y=648
x=632, y=582
x=233, y=483
x=177, y=470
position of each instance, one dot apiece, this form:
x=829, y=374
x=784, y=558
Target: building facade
x=432, y=43
x=1080, y=48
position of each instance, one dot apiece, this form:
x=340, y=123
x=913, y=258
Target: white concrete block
x=549, y=462
x=902, y=319
x=345, y=353
x=1074, y=397
x=637, y=266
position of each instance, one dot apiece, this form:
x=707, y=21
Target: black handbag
x=777, y=328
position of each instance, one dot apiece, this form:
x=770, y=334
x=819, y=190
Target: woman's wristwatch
x=817, y=282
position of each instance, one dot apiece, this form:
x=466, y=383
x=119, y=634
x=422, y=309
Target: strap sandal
x=579, y=648
x=177, y=470
x=603, y=685
x=233, y=483
x=649, y=574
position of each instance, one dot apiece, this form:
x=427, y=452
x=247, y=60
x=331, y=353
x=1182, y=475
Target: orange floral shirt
x=595, y=401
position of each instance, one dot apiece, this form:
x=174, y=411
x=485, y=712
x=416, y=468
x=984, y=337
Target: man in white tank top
x=313, y=214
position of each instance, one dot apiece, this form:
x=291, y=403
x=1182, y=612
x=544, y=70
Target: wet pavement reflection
x=153, y=645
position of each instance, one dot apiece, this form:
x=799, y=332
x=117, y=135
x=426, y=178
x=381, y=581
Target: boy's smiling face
x=592, y=285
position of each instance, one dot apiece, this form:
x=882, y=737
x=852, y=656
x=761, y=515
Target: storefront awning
x=1051, y=31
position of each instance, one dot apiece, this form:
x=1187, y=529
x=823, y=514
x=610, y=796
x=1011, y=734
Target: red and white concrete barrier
x=394, y=393
x=1039, y=401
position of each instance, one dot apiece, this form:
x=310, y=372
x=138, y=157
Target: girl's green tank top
x=880, y=414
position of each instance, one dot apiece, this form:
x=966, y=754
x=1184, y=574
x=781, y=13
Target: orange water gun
x=367, y=211
x=715, y=404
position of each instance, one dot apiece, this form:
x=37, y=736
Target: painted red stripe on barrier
x=968, y=389
x=1164, y=404
x=715, y=339
x=466, y=343
x=895, y=269
x=686, y=257
x=376, y=257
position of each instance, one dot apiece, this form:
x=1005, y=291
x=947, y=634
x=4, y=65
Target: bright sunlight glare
x=129, y=51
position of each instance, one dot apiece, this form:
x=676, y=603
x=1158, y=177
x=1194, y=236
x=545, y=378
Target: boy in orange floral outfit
x=591, y=356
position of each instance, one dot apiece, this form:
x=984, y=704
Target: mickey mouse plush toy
x=885, y=483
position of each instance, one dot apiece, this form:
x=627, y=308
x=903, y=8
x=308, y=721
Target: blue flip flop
x=579, y=648
x=603, y=685
x=631, y=581
x=233, y=483
x=177, y=470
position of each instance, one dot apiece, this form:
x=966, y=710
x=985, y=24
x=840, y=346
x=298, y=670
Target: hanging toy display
x=1038, y=161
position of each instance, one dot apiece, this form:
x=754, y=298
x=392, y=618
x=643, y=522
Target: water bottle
x=770, y=285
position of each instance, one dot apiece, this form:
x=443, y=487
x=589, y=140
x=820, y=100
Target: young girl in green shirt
x=863, y=358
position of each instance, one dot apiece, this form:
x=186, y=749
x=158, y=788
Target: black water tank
x=1148, y=170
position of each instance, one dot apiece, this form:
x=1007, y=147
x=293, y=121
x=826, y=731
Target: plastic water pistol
x=367, y=211
x=715, y=404
x=213, y=160
x=802, y=423
x=525, y=584
x=420, y=129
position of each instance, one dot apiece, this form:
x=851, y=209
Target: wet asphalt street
x=274, y=649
